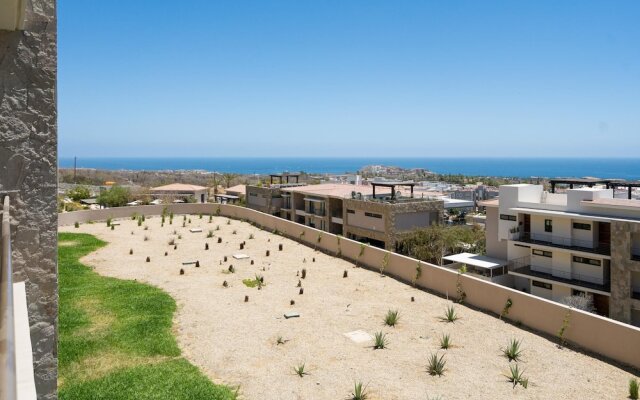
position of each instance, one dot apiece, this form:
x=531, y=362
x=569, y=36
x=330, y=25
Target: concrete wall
x=495, y=247
x=28, y=162
x=604, y=336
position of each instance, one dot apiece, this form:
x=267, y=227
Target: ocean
x=623, y=168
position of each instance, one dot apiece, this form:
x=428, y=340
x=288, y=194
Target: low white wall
x=604, y=336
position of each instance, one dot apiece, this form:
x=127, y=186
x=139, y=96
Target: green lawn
x=115, y=339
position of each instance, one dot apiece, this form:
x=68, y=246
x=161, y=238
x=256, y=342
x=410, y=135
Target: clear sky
x=349, y=78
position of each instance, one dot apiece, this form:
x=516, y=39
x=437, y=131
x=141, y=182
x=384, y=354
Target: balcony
x=522, y=266
x=635, y=253
x=564, y=243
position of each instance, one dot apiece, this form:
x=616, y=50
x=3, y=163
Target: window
x=541, y=285
x=585, y=260
x=372, y=215
x=507, y=217
x=541, y=253
x=580, y=225
x=350, y=211
x=521, y=245
x=548, y=225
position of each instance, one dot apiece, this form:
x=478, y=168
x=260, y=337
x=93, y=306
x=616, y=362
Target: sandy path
x=235, y=342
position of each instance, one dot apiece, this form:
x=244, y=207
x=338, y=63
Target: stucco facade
x=28, y=168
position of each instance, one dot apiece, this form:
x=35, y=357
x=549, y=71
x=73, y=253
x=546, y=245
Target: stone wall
x=28, y=162
x=622, y=265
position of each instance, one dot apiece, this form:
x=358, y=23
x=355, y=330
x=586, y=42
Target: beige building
x=376, y=213
x=181, y=192
x=582, y=242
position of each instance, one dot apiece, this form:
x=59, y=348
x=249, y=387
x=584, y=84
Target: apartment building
x=581, y=242
x=377, y=213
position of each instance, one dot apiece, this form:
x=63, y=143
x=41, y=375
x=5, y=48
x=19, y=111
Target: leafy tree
x=228, y=178
x=78, y=193
x=117, y=196
x=432, y=243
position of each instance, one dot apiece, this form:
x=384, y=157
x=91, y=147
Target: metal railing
x=564, y=242
x=7, y=331
x=523, y=265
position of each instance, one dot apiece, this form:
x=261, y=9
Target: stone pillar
x=621, y=267
x=28, y=170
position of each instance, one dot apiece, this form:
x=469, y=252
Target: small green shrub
x=251, y=236
x=445, y=341
x=392, y=318
x=513, y=352
x=139, y=221
x=380, y=340
x=633, y=389
x=506, y=308
x=450, y=314
x=516, y=376
x=300, y=370
x=436, y=364
x=385, y=263
x=109, y=222
x=77, y=224
x=563, y=328
x=418, y=273
x=359, y=392
x=210, y=234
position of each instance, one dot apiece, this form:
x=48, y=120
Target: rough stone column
x=621, y=267
x=28, y=169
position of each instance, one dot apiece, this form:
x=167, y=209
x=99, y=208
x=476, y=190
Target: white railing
x=8, y=382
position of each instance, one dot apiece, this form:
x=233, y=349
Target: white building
x=582, y=242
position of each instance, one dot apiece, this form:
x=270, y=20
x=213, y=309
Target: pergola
x=609, y=183
x=392, y=185
x=283, y=176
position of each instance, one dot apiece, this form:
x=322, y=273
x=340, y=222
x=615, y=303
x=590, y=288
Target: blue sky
x=349, y=78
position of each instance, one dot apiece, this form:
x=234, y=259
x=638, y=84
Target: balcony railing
x=8, y=384
x=565, y=243
x=523, y=266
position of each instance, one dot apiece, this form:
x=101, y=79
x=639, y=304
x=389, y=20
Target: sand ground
x=234, y=342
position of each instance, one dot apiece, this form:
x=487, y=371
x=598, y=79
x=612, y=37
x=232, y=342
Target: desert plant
x=184, y=218
x=139, y=221
x=231, y=269
x=300, y=371
x=392, y=318
x=146, y=238
x=189, y=220
x=359, y=392
x=450, y=314
x=148, y=259
x=210, y=234
x=516, y=376
x=633, y=389
x=459, y=290
x=380, y=340
x=505, y=309
x=250, y=236
x=143, y=218
x=228, y=222
x=445, y=341
x=234, y=232
x=146, y=227
x=200, y=215
x=206, y=246
x=217, y=227
x=345, y=274
x=436, y=365
x=360, y=253
x=163, y=219
x=218, y=211
x=513, y=351
x=280, y=247
x=113, y=227
x=418, y=273
x=197, y=264
x=303, y=274
x=77, y=224
x=280, y=340
x=108, y=221
x=385, y=263
x=179, y=236
x=563, y=328
x=210, y=218
x=130, y=251
x=172, y=242
x=181, y=271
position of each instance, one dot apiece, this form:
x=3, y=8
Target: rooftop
x=236, y=189
x=336, y=190
x=179, y=187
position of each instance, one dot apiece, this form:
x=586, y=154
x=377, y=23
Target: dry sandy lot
x=235, y=342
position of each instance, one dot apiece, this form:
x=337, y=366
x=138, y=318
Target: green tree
x=228, y=178
x=432, y=243
x=117, y=196
x=78, y=193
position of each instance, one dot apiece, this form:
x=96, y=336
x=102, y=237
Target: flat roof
x=592, y=217
x=476, y=260
x=334, y=190
x=619, y=203
x=392, y=183
x=489, y=203
x=178, y=187
x=237, y=189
